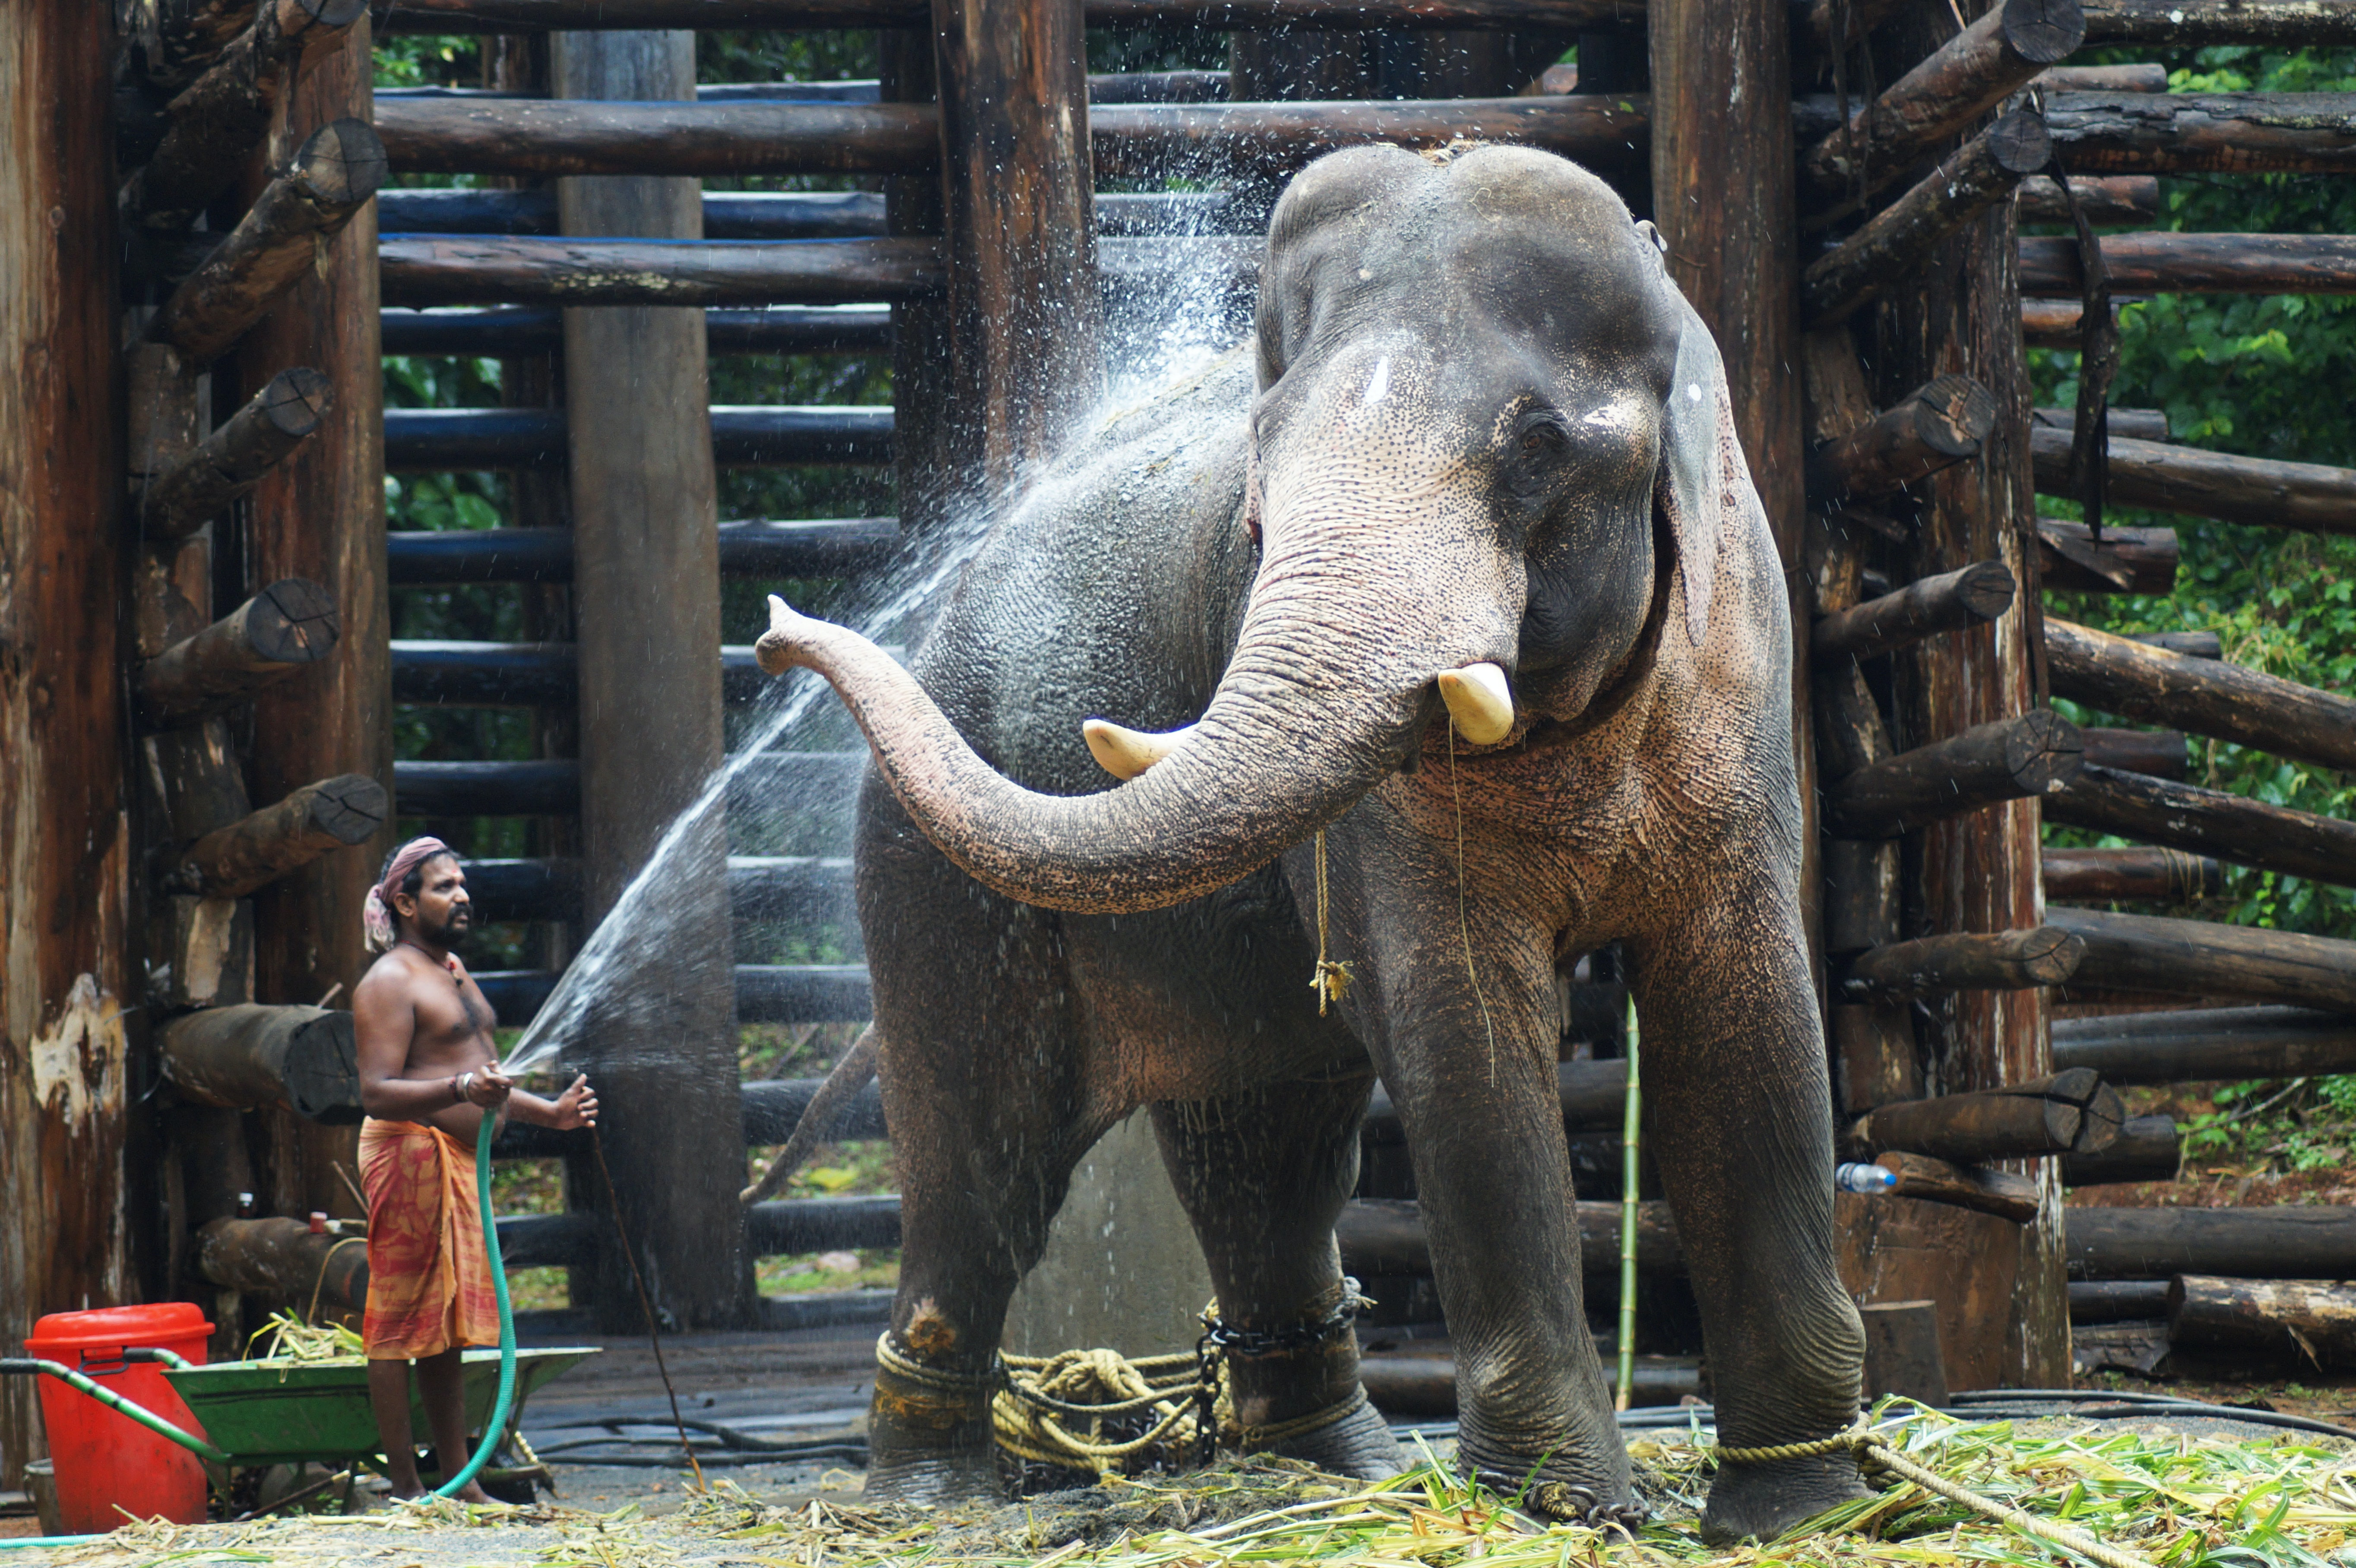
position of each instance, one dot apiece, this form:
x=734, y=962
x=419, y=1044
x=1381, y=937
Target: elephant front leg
x=1739, y=1107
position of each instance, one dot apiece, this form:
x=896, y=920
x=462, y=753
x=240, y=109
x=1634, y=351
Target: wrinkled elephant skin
x=1477, y=425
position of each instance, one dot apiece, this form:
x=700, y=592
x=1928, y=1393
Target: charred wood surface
x=1966, y=1186
x=2010, y=44
x=2308, y=1320
x=2010, y=759
x=2139, y=876
x=2306, y=1242
x=228, y=464
x=247, y=1057
x=2148, y=1148
x=1951, y=602
x=269, y=637
x=2168, y=478
x=2123, y=561
x=1964, y=961
x=2208, y=822
x=424, y=272
x=535, y=329
x=1941, y=423
x=281, y=1260
x=2071, y=1111
x=2208, y=1044
x=2206, y=697
x=2200, y=958
x=250, y=854
x=332, y=177
x=1897, y=242
x=2197, y=132
x=2196, y=264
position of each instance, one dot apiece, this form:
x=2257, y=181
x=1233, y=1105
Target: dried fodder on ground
x=2173, y=1499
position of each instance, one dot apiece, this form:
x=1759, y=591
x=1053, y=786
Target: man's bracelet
x=455, y=1094
x=465, y=1085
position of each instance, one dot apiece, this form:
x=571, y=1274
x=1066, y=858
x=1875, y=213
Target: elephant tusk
x=1125, y=754
x=1479, y=702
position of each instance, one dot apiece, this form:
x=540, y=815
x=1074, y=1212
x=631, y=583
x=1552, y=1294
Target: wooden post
x=319, y=515
x=646, y=603
x=1960, y=314
x=65, y=856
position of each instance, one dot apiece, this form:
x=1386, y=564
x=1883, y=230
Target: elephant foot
x=1581, y=1476
x=1759, y=1502
x=1359, y=1446
x=936, y=1479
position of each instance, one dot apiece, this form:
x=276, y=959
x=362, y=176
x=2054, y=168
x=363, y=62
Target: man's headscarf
x=377, y=916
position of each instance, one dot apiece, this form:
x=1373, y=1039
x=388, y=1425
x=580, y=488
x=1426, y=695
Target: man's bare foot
x=473, y=1493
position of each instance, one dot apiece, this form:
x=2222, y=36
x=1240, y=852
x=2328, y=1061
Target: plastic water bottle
x=1863, y=1178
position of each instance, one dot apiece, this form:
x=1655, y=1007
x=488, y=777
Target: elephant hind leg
x=1263, y=1176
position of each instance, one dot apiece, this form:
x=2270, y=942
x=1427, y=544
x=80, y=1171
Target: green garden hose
x=506, y=1401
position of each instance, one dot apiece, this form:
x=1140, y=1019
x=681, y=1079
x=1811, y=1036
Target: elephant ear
x=1692, y=492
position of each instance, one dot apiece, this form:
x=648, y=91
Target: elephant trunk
x=1320, y=703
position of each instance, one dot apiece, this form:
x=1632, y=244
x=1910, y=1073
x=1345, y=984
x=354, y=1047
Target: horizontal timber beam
x=523, y=675
x=1963, y=961
x=2169, y=478
x=2209, y=1045
x=553, y=787
x=227, y=464
x=2205, y=696
x=2148, y=1148
x=2175, y=263
x=2159, y=752
x=421, y=271
x=752, y=547
x=816, y=215
x=250, y=1056
x=765, y=993
x=548, y=15
x=2054, y=323
x=2304, y=1241
x=1937, y=425
x=2070, y=1112
x=250, y=854
x=2123, y=561
x=440, y=441
x=525, y=330
x=2202, y=132
x=2203, y=958
x=280, y=1259
x=291, y=624
x=2117, y=199
x=2209, y=822
x=2124, y=424
x=2137, y=876
x=2200, y=24
x=1951, y=602
x=2032, y=755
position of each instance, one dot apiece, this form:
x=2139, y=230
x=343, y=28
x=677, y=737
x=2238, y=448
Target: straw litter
x=2177, y=1498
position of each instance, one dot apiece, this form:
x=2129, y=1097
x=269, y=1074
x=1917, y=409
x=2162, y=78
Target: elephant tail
x=851, y=1074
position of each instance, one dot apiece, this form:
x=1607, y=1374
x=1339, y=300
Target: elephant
x=1433, y=635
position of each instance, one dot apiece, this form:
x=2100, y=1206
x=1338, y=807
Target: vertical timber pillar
x=646, y=600
x=320, y=515
x=2005, y=1310
x=64, y=833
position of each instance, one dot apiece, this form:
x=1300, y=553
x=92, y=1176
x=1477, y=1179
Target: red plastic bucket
x=105, y=1461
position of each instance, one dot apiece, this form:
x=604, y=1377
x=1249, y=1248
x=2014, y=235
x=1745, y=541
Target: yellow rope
x=1331, y=978
x=1860, y=1441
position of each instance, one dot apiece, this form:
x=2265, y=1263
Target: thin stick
x=351, y=1187
x=654, y=1332
x=1631, y=1123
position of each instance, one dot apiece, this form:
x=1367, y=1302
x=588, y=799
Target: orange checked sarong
x=429, y=1279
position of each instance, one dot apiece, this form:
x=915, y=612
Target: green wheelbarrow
x=289, y=1412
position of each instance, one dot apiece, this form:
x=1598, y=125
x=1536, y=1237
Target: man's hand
x=576, y=1107
x=487, y=1087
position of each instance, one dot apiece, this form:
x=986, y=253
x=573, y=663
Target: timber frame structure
x=204, y=259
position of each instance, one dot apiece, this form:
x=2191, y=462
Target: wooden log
x=2254, y=490
x=752, y=547
x=2144, y=77
x=2124, y=560
x=549, y=787
x=2010, y=44
x=282, y=1260
x=2120, y=199
x=2010, y=759
x=1898, y=240
x=2202, y=132
x=2207, y=697
x=1901, y=1352
x=1600, y=130
x=2124, y=424
x=2053, y=324
x=332, y=177
x=2146, y=876
x=1861, y=899
x=1424, y=1384
x=2071, y=1111
x=2194, y=644
x=550, y=15
x=727, y=215
x=2199, y=958
x=542, y=888
x=221, y=116
x=250, y=854
x=247, y=1057
x=2312, y=1320
x=1964, y=961
x=228, y=464
x=174, y=40
x=2148, y=1148
x=2209, y=822
x=2117, y=1301
x=1951, y=602
x=1873, y=1051
x=547, y=138
x=513, y=334
x=2159, y=752
x=485, y=674
x=285, y=626
x=773, y=1110
x=785, y=1228
x=448, y=440
x=199, y=952
x=1941, y=424
x=1816, y=20
x=2277, y=24
x=1594, y=1100
x=2198, y=264
x=1997, y=1192
x=2209, y=1045
x=2303, y=1241
x=424, y=272
x=1385, y=1236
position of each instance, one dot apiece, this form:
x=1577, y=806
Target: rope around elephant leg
x=1858, y=1441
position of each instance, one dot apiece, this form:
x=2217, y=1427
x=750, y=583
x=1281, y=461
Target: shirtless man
x=429, y=1075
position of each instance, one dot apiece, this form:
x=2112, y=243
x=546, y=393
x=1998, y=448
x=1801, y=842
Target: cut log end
x=294, y=622
x=2043, y=750
x=349, y=809
x=295, y=402
x=2044, y=32
x=343, y=163
x=1986, y=588
x=1956, y=413
x=2019, y=144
